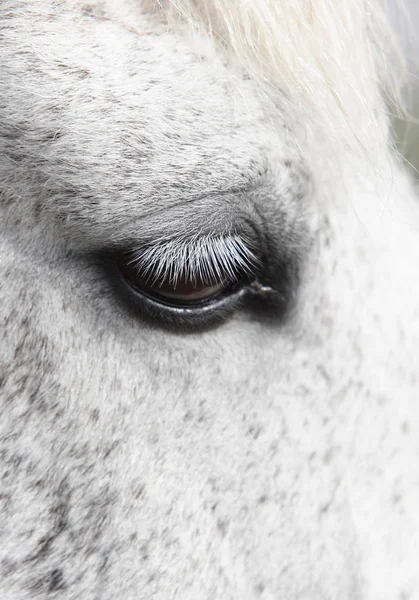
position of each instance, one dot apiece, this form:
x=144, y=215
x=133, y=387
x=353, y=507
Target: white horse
x=210, y=292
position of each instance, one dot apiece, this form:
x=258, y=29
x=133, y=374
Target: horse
x=210, y=303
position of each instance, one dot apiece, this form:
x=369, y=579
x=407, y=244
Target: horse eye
x=188, y=283
x=180, y=292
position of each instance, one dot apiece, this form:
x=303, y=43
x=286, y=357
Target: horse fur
x=262, y=458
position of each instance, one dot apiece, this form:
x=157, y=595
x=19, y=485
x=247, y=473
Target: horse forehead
x=155, y=80
x=170, y=122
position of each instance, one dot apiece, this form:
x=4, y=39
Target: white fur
x=274, y=456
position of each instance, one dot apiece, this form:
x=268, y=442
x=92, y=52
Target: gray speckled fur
x=243, y=462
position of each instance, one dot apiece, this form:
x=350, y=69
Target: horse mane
x=336, y=62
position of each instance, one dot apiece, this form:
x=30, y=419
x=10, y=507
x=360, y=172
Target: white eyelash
x=205, y=259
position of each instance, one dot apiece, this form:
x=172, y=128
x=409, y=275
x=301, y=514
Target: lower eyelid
x=187, y=316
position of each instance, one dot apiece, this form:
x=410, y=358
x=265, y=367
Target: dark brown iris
x=184, y=291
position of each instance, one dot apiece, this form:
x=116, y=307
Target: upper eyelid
x=202, y=257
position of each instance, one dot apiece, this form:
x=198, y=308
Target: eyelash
x=205, y=259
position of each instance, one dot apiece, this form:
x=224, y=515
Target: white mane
x=333, y=60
